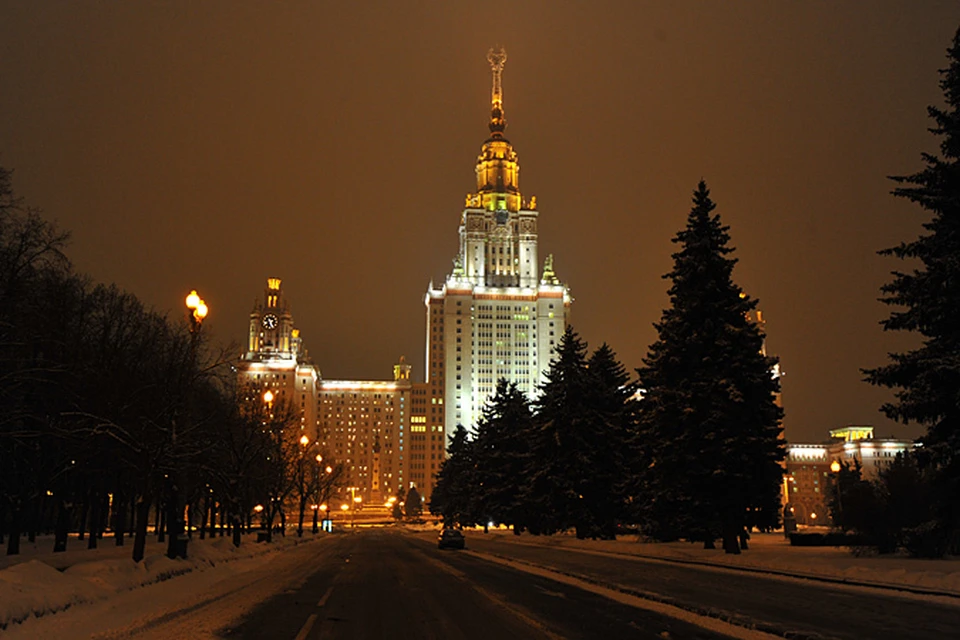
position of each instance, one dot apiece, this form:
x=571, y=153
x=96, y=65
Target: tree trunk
x=744, y=536
x=283, y=522
x=119, y=519
x=203, y=517
x=162, y=522
x=140, y=535
x=94, y=501
x=174, y=523
x=303, y=513
x=731, y=541
x=213, y=518
x=13, y=544
x=104, y=515
x=708, y=544
x=34, y=519
x=63, y=527
x=84, y=511
x=237, y=523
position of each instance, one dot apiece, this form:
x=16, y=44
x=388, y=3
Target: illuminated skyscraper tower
x=496, y=316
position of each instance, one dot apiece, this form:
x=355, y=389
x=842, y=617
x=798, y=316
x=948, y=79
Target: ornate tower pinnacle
x=497, y=122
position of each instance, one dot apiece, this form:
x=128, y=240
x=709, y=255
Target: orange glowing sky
x=211, y=145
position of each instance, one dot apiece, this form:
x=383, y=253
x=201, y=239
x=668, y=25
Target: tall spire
x=497, y=122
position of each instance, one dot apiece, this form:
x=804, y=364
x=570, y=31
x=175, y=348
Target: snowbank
x=772, y=553
x=35, y=588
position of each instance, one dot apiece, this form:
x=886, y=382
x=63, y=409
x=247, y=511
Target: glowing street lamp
x=304, y=440
x=835, y=466
x=268, y=396
x=197, y=308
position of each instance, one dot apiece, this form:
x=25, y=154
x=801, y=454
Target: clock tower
x=271, y=325
x=275, y=358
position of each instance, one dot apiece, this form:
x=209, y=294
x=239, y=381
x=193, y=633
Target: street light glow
x=268, y=396
x=304, y=440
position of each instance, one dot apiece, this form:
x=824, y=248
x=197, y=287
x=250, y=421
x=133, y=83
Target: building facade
x=388, y=434
x=497, y=315
x=807, y=480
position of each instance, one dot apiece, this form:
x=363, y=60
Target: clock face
x=270, y=321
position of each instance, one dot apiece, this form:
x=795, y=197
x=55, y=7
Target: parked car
x=451, y=539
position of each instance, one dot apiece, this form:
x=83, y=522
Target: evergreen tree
x=502, y=454
x=709, y=421
x=454, y=491
x=413, y=505
x=613, y=422
x=560, y=457
x=928, y=378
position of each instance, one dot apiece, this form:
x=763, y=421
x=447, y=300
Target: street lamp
x=835, y=467
x=177, y=545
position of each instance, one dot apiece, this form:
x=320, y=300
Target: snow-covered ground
x=102, y=593
x=38, y=582
x=772, y=552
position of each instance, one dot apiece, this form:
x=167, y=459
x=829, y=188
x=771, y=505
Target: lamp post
x=177, y=545
x=836, y=467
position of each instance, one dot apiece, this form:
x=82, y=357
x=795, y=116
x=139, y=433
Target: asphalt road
x=793, y=608
x=379, y=583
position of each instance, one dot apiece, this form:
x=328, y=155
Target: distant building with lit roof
x=807, y=476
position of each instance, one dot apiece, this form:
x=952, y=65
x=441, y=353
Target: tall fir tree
x=560, y=460
x=613, y=423
x=501, y=450
x=709, y=420
x=454, y=493
x=927, y=379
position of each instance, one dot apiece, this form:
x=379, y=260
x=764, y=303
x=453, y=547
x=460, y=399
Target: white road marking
x=325, y=597
x=706, y=622
x=307, y=626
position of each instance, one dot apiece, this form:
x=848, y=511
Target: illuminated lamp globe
x=344, y=507
x=304, y=440
x=319, y=458
x=193, y=300
x=835, y=466
x=268, y=396
x=201, y=310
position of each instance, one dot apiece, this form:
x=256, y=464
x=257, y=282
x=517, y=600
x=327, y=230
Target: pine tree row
x=691, y=449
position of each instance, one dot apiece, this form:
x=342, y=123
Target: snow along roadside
x=33, y=589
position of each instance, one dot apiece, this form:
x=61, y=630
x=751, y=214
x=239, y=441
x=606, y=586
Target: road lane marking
x=307, y=626
x=325, y=597
x=705, y=622
x=495, y=599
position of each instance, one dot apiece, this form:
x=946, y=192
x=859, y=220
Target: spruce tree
x=454, y=491
x=614, y=419
x=927, y=379
x=710, y=425
x=560, y=456
x=501, y=450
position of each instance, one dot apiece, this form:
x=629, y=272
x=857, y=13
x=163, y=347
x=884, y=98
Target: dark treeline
x=116, y=418
x=692, y=449
x=926, y=301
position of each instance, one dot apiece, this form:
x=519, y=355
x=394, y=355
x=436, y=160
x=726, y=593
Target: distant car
x=451, y=539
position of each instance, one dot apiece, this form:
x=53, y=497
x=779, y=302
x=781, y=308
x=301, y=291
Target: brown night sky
x=210, y=145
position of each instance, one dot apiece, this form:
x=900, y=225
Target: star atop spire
x=498, y=123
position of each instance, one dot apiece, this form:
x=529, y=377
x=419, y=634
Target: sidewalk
x=771, y=552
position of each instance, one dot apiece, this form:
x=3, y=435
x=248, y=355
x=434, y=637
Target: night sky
x=210, y=145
